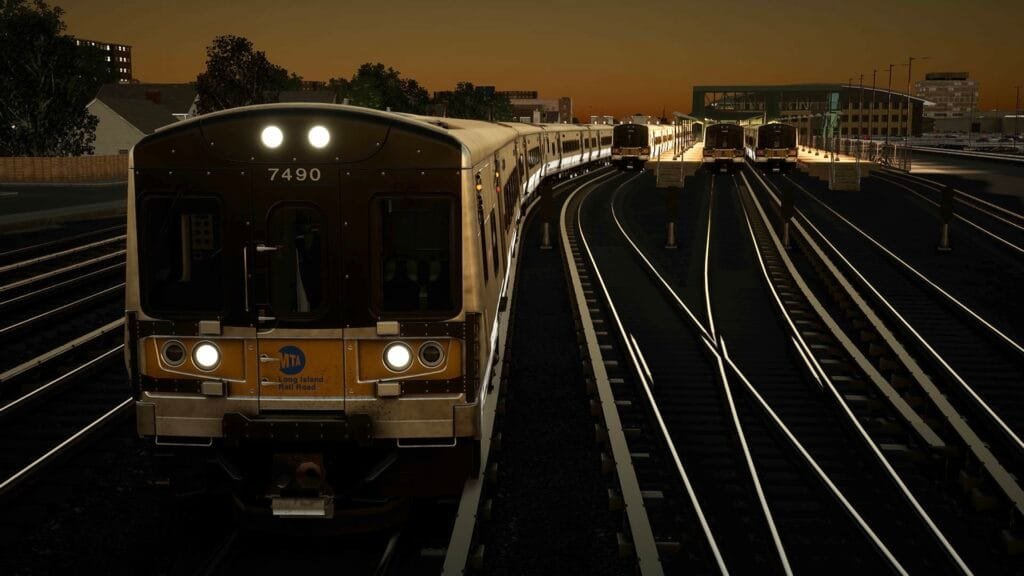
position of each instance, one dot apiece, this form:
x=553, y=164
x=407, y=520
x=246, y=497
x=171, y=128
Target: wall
x=113, y=133
x=110, y=168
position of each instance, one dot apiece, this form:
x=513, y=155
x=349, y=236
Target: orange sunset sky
x=612, y=57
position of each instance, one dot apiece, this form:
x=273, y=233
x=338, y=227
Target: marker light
x=319, y=136
x=206, y=356
x=173, y=353
x=397, y=357
x=272, y=136
x=431, y=354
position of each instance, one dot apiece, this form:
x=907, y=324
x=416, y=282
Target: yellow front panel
x=291, y=367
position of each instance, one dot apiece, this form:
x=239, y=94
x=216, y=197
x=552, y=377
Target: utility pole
x=874, y=74
x=910, y=116
x=1016, y=119
x=860, y=109
x=888, y=112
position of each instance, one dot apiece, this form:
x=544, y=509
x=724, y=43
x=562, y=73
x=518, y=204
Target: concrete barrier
x=61, y=169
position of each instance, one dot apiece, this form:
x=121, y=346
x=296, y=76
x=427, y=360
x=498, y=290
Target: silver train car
x=313, y=292
x=771, y=146
x=723, y=146
x=634, y=144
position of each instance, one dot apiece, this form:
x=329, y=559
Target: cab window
x=181, y=264
x=417, y=265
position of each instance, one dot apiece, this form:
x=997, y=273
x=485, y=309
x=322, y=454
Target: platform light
x=397, y=357
x=319, y=136
x=206, y=356
x=272, y=136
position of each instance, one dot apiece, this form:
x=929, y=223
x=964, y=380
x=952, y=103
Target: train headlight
x=173, y=353
x=397, y=357
x=272, y=136
x=206, y=356
x=319, y=136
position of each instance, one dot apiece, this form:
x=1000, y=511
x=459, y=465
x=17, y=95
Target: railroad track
x=29, y=245
x=1003, y=226
x=964, y=471
x=85, y=266
x=816, y=517
x=412, y=548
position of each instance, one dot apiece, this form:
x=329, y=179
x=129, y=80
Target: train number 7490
x=294, y=174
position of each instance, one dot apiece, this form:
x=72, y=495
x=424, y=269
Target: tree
x=238, y=75
x=475, y=102
x=375, y=86
x=46, y=81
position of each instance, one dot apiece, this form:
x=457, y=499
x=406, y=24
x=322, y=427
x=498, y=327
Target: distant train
x=634, y=144
x=313, y=291
x=723, y=146
x=772, y=146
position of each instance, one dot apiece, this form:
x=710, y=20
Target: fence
x=59, y=169
x=894, y=156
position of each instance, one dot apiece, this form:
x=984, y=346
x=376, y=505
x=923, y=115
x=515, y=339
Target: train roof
x=477, y=138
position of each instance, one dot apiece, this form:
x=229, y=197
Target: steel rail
x=13, y=404
x=971, y=223
x=919, y=508
x=461, y=540
x=960, y=195
x=59, y=351
x=920, y=338
x=68, y=252
x=77, y=437
x=58, y=286
x=55, y=311
x=42, y=245
x=818, y=372
x=721, y=355
x=59, y=271
x=608, y=401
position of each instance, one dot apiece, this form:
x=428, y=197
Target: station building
x=845, y=110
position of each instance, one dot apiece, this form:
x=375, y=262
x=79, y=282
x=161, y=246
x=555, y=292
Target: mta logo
x=293, y=360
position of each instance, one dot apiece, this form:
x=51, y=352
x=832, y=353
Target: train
x=723, y=146
x=633, y=143
x=771, y=146
x=313, y=293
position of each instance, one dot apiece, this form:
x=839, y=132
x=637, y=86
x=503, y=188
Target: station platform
x=26, y=207
x=672, y=167
x=842, y=172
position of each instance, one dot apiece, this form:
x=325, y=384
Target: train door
x=294, y=291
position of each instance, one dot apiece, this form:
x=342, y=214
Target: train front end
x=295, y=301
x=723, y=146
x=631, y=146
x=774, y=147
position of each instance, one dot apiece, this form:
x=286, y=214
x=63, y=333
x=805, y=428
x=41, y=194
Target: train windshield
x=630, y=136
x=181, y=241
x=417, y=244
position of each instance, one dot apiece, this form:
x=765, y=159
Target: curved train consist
x=314, y=291
x=634, y=144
